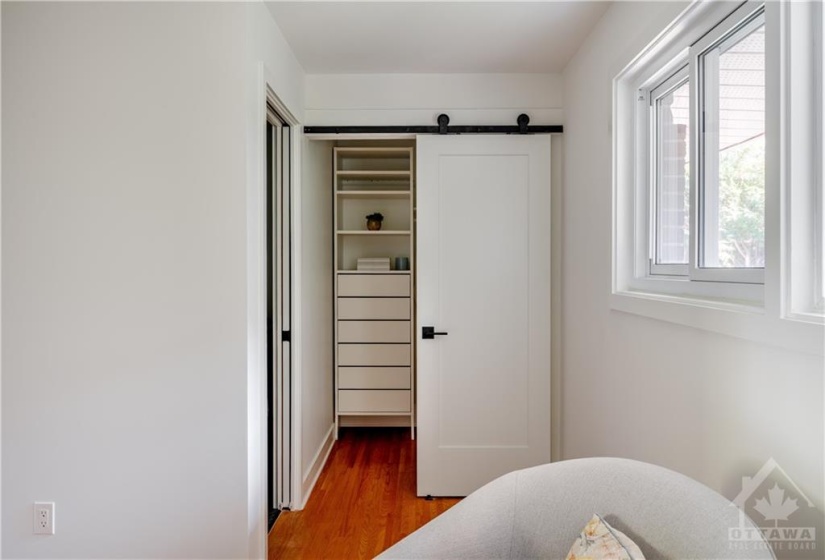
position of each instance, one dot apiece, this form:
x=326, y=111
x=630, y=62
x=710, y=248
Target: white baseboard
x=374, y=421
x=317, y=465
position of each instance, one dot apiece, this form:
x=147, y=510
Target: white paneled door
x=483, y=260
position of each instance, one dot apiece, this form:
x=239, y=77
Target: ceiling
x=435, y=37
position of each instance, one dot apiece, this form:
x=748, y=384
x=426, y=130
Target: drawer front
x=374, y=378
x=374, y=308
x=374, y=355
x=374, y=401
x=373, y=331
x=374, y=285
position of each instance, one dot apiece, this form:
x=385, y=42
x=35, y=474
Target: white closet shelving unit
x=374, y=318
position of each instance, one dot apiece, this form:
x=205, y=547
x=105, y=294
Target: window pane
x=733, y=195
x=672, y=194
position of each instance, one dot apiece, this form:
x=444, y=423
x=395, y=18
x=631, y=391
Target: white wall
x=126, y=138
x=317, y=322
x=266, y=44
x=417, y=99
x=711, y=406
x=269, y=64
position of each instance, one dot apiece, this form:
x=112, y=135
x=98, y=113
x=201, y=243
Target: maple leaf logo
x=776, y=507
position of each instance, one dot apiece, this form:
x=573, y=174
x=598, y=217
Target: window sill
x=740, y=320
x=714, y=294
x=813, y=318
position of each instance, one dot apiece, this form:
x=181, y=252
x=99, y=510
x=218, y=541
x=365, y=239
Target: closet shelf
x=372, y=174
x=373, y=271
x=374, y=194
x=378, y=152
x=368, y=232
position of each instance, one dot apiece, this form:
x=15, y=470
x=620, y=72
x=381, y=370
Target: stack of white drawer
x=374, y=350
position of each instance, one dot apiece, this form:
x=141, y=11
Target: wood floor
x=364, y=500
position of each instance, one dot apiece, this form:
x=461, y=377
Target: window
x=721, y=132
x=702, y=170
x=729, y=68
x=718, y=146
x=670, y=115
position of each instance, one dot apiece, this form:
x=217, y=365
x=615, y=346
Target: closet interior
x=371, y=187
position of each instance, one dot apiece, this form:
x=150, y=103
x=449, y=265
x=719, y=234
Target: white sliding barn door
x=483, y=261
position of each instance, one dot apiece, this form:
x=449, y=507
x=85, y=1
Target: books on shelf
x=381, y=263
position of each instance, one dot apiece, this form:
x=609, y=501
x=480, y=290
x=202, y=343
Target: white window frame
x=651, y=95
x=704, y=175
x=803, y=24
x=818, y=32
x=757, y=312
x=672, y=50
x=819, y=147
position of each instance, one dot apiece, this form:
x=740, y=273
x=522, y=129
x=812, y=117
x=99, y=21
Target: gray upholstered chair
x=539, y=512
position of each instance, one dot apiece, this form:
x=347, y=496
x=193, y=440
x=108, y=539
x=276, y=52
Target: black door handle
x=428, y=333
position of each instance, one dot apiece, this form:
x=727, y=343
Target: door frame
x=278, y=234
x=257, y=453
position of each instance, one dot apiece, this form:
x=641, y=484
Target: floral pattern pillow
x=598, y=540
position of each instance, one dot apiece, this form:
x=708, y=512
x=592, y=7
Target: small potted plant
x=374, y=221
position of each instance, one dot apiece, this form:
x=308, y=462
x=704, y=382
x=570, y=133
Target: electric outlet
x=44, y=518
